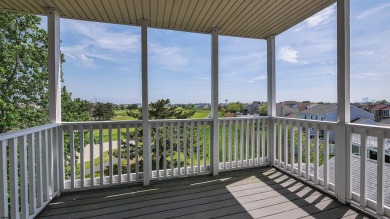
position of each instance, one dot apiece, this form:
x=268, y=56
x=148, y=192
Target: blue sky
x=103, y=61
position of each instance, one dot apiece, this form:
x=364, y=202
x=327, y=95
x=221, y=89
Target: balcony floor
x=250, y=193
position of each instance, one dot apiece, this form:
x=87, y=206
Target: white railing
x=29, y=167
x=37, y=164
x=97, y=151
x=369, y=179
x=243, y=142
x=180, y=147
x=302, y=149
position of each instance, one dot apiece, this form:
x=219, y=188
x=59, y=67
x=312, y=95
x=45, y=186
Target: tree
x=24, y=78
x=161, y=109
x=23, y=72
x=234, y=107
x=103, y=111
x=132, y=107
x=382, y=102
x=263, y=109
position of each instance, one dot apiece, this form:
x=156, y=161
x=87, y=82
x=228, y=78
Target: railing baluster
x=258, y=141
x=247, y=142
x=110, y=156
x=263, y=141
x=381, y=174
x=363, y=168
x=118, y=131
x=285, y=145
x=178, y=148
x=192, y=146
x=157, y=146
x=326, y=158
x=4, y=183
x=82, y=166
x=292, y=146
x=50, y=161
x=61, y=158
x=165, y=148
x=91, y=157
x=23, y=177
x=31, y=174
x=316, y=154
x=72, y=158
x=236, y=143
x=242, y=143
x=253, y=142
x=13, y=165
x=171, y=148
x=280, y=126
x=185, y=147
x=198, y=146
x=308, y=152
x=299, y=149
x=136, y=153
x=45, y=175
x=230, y=144
x=38, y=158
x=56, y=158
x=223, y=144
x=101, y=155
x=204, y=145
x=128, y=152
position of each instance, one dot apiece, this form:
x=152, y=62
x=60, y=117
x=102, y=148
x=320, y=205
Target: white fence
x=37, y=164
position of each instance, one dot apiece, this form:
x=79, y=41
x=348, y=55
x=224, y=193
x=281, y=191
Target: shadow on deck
x=251, y=193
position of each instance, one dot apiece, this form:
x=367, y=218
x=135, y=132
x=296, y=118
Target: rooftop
x=322, y=109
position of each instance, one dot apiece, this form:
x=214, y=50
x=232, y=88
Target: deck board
x=250, y=193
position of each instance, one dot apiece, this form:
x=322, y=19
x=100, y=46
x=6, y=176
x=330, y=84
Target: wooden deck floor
x=252, y=193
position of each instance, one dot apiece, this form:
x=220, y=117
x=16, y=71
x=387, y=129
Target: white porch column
x=214, y=159
x=147, y=157
x=343, y=153
x=54, y=66
x=271, y=98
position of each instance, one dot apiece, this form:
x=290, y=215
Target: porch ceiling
x=241, y=18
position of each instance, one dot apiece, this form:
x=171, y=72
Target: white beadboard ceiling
x=241, y=18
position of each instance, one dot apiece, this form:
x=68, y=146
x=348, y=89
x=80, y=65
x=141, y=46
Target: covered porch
x=270, y=156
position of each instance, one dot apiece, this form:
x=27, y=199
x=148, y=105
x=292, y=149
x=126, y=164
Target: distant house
x=283, y=110
x=251, y=109
x=328, y=112
x=375, y=109
x=385, y=113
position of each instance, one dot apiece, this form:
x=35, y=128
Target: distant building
x=251, y=109
x=365, y=99
x=328, y=112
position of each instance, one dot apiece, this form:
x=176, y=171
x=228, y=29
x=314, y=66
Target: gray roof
x=364, y=121
x=385, y=121
x=371, y=176
x=322, y=109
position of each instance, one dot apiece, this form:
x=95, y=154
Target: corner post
x=214, y=150
x=343, y=135
x=54, y=65
x=271, y=99
x=147, y=157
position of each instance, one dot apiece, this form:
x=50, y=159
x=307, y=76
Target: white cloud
x=372, y=11
x=169, y=56
x=288, y=54
x=370, y=76
x=258, y=78
x=322, y=17
x=366, y=53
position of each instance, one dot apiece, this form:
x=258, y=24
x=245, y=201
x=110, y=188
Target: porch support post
x=271, y=99
x=214, y=150
x=343, y=149
x=147, y=158
x=54, y=66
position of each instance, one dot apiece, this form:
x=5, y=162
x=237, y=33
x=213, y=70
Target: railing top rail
x=180, y=120
x=244, y=118
x=371, y=127
x=18, y=133
x=101, y=122
x=306, y=121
